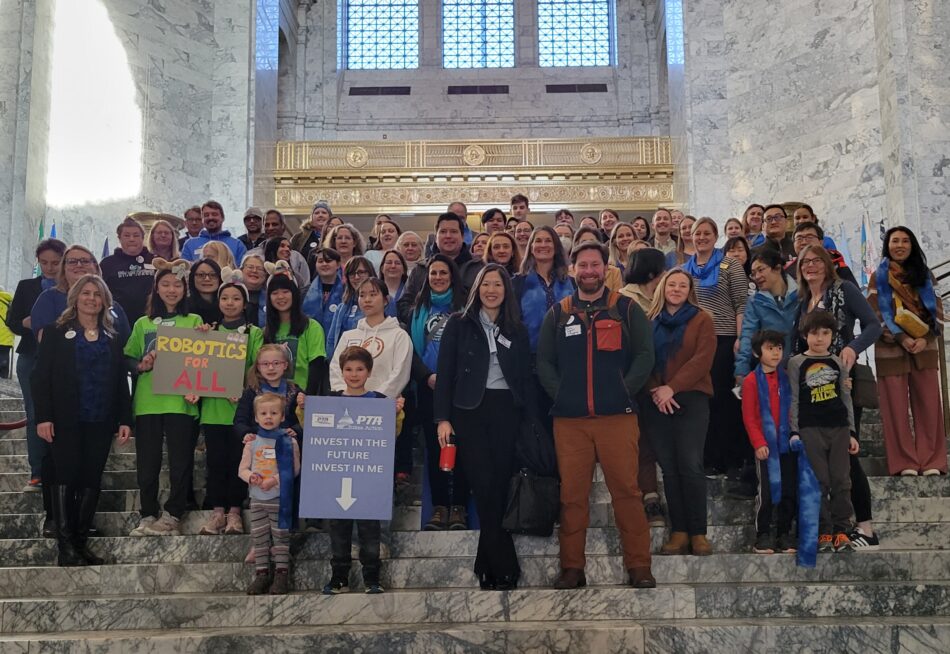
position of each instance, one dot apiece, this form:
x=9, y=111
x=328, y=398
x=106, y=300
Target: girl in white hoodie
x=389, y=343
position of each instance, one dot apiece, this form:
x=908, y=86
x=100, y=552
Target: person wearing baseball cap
x=254, y=224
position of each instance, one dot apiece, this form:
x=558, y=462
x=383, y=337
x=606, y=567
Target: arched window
x=478, y=33
x=378, y=34
x=576, y=32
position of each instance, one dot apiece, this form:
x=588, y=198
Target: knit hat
x=322, y=204
x=254, y=211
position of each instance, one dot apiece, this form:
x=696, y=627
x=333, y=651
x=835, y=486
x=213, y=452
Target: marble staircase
x=185, y=594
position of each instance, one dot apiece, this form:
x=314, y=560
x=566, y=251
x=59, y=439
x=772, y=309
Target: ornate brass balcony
x=366, y=177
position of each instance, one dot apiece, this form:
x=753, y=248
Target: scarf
x=391, y=309
x=537, y=298
x=707, y=275
x=809, y=506
x=668, y=330
x=886, y=281
x=280, y=389
x=441, y=302
x=776, y=436
x=491, y=331
x=284, y=449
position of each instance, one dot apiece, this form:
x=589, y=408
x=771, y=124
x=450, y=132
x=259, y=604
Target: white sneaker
x=214, y=525
x=167, y=525
x=144, y=524
x=931, y=472
x=909, y=472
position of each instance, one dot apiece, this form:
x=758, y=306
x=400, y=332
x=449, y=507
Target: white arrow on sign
x=346, y=499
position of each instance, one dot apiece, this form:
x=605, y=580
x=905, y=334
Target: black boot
x=63, y=514
x=87, y=500
x=49, y=523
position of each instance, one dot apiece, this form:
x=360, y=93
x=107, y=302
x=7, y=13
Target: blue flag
x=105, y=248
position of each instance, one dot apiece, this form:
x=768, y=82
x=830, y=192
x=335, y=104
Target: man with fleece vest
x=595, y=353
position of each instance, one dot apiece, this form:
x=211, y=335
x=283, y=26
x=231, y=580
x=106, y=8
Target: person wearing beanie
x=254, y=224
x=311, y=231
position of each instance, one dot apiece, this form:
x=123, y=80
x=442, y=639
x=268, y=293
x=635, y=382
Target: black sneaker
x=337, y=586
x=785, y=544
x=655, y=515
x=861, y=542
x=373, y=589
x=763, y=544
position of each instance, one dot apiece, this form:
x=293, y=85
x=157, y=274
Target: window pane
x=575, y=32
x=382, y=34
x=478, y=33
x=675, y=53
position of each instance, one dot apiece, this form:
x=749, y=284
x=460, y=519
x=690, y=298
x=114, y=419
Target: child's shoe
x=373, y=589
x=843, y=543
x=439, y=520
x=281, y=584
x=215, y=524
x=336, y=586
x=262, y=581
x=785, y=544
x=763, y=544
x=233, y=524
x=825, y=544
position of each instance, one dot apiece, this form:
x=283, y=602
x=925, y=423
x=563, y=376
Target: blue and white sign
x=348, y=449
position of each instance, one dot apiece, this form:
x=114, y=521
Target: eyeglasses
x=360, y=273
x=271, y=364
x=84, y=261
x=804, y=238
x=209, y=275
x=776, y=219
x=810, y=262
x=253, y=269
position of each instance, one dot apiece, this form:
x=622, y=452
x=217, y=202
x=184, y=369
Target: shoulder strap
x=612, y=301
x=565, y=310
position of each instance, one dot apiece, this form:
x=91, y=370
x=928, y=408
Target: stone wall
x=844, y=105
x=208, y=115
x=324, y=110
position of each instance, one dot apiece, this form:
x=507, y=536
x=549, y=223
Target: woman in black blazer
x=81, y=397
x=482, y=383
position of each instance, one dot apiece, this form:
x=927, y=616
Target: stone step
x=708, y=601
x=34, y=551
x=911, y=635
x=489, y=637
x=456, y=572
x=121, y=480
x=22, y=513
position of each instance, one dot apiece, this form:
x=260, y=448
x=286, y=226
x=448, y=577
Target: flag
x=52, y=231
x=843, y=246
x=105, y=248
x=39, y=237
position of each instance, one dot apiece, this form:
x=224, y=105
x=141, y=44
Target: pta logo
x=322, y=420
x=364, y=423
x=369, y=421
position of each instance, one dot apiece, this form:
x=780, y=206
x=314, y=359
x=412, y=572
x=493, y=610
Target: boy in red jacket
x=766, y=397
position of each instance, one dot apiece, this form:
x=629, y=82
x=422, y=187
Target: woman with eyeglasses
x=348, y=313
x=820, y=289
x=203, y=283
x=255, y=276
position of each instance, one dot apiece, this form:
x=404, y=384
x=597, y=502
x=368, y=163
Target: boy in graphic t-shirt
x=822, y=416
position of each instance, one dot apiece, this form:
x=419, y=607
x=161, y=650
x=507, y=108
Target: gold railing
x=424, y=176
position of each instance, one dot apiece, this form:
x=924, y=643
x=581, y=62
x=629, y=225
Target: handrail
x=8, y=426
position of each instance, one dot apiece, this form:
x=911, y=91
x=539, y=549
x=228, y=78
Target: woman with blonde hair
x=684, y=244
x=346, y=240
x=81, y=396
x=162, y=241
x=675, y=412
x=219, y=253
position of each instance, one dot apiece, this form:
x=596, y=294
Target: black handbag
x=534, y=504
x=864, y=387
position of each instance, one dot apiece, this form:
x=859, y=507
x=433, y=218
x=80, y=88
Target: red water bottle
x=447, y=455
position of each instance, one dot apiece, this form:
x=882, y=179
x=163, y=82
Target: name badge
x=270, y=454
x=572, y=330
x=504, y=341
